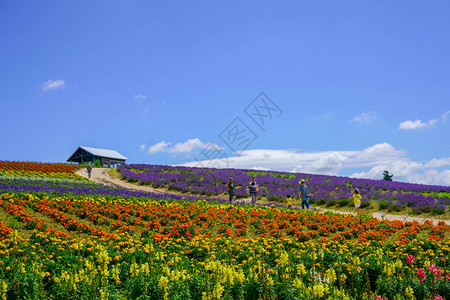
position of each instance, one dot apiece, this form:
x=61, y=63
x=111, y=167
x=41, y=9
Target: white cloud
x=191, y=144
x=431, y=176
x=367, y=118
x=379, y=152
x=411, y=125
x=140, y=96
x=445, y=115
x=400, y=169
x=142, y=147
x=371, y=162
x=53, y=84
x=184, y=147
x=187, y=146
x=158, y=147
x=436, y=163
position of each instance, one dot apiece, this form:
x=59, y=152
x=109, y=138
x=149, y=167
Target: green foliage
x=395, y=207
x=390, y=287
x=421, y=290
x=438, y=210
x=330, y=203
x=443, y=288
x=26, y=286
x=344, y=202
x=255, y=173
x=421, y=209
x=97, y=163
x=365, y=204
x=132, y=180
x=383, y=204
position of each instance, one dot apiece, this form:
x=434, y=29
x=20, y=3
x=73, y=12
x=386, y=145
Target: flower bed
x=34, y=169
x=131, y=247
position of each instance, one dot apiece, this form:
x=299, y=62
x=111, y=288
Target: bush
x=131, y=180
x=320, y=201
x=391, y=288
x=330, y=203
x=365, y=204
x=438, y=210
x=443, y=288
x=97, y=164
x=421, y=209
x=395, y=207
x=344, y=202
x=425, y=208
x=420, y=290
x=383, y=204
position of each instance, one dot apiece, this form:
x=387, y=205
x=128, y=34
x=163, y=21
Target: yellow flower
x=331, y=275
x=319, y=290
x=409, y=292
x=301, y=270
x=163, y=282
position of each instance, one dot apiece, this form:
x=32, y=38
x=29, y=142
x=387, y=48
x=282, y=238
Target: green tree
x=387, y=176
x=97, y=163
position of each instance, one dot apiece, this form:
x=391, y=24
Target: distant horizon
x=257, y=170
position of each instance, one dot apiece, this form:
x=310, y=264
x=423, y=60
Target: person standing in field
x=89, y=170
x=303, y=194
x=230, y=187
x=356, y=199
x=253, y=189
x=288, y=201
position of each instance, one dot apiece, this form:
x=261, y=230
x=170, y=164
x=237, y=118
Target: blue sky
x=360, y=86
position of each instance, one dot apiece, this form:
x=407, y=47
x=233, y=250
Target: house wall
x=111, y=163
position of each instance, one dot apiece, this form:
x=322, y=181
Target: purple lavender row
x=80, y=188
x=276, y=185
x=241, y=176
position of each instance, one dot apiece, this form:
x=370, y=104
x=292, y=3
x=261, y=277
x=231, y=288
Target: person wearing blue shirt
x=303, y=194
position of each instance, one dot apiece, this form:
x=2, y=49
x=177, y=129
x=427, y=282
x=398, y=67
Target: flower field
x=81, y=187
x=34, y=169
x=79, y=240
x=327, y=190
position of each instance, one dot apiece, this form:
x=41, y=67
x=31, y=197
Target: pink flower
x=410, y=259
x=435, y=270
x=421, y=274
x=436, y=298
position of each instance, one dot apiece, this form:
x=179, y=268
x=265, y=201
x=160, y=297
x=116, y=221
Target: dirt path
x=384, y=216
x=101, y=175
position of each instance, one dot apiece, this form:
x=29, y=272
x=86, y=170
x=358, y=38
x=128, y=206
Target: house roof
x=104, y=153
